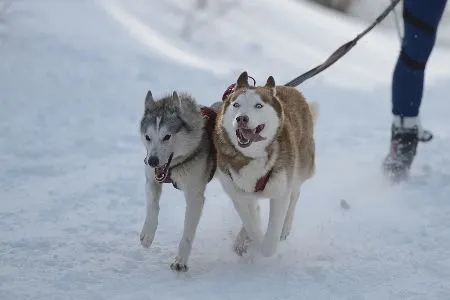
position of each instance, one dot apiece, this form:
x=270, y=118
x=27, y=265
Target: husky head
x=252, y=116
x=171, y=127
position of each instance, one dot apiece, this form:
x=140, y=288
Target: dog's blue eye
x=235, y=104
x=259, y=105
x=147, y=138
x=166, y=137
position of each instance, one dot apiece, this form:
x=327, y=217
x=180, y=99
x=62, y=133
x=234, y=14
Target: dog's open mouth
x=246, y=136
x=163, y=172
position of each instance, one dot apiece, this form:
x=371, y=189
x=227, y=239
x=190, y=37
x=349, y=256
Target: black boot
x=404, y=143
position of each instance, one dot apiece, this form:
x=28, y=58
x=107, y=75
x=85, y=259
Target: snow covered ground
x=73, y=76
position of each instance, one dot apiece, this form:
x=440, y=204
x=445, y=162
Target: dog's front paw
x=240, y=246
x=179, y=266
x=147, y=236
x=285, y=232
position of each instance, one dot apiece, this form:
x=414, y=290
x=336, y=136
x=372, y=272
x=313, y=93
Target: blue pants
x=420, y=20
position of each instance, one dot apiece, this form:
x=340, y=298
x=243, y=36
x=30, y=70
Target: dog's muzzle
x=247, y=136
x=162, y=173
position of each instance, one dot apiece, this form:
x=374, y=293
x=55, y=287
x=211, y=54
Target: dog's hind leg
x=290, y=215
x=277, y=216
x=195, y=200
x=153, y=194
x=242, y=239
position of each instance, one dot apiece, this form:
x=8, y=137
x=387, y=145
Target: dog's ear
x=149, y=101
x=175, y=96
x=177, y=100
x=270, y=83
x=242, y=80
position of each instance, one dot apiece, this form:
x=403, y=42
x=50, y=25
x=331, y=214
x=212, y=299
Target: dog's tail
x=314, y=109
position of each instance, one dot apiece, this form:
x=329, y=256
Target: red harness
x=210, y=115
x=228, y=91
x=261, y=183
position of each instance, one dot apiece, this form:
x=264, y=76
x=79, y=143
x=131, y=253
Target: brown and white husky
x=265, y=149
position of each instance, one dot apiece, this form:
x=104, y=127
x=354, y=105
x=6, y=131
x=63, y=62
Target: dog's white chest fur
x=248, y=176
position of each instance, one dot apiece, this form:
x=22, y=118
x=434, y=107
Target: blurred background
x=73, y=77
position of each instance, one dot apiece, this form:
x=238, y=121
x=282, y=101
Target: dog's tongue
x=251, y=134
x=247, y=133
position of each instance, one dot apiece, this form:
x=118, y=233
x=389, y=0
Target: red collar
x=210, y=115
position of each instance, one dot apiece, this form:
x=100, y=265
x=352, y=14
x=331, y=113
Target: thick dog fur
x=285, y=146
x=175, y=125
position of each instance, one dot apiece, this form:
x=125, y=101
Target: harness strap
x=260, y=183
x=228, y=91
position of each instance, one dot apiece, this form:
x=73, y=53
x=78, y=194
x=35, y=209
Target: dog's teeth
x=244, y=142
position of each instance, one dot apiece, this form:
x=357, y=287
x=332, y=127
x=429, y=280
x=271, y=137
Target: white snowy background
x=73, y=77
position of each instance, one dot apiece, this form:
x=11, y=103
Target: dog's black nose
x=153, y=161
x=242, y=120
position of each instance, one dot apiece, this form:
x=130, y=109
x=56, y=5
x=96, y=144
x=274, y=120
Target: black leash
x=341, y=51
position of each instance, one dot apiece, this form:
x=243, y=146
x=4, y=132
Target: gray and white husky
x=176, y=132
